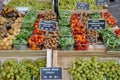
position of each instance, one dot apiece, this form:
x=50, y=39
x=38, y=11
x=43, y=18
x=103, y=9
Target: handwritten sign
x=54, y=73
x=48, y=25
x=96, y=24
x=82, y=5
x=102, y=2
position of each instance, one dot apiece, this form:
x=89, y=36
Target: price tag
x=96, y=24
x=1, y=1
x=82, y=5
x=102, y=2
x=54, y=73
x=48, y=25
x=119, y=62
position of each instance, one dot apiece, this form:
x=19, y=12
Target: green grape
x=93, y=69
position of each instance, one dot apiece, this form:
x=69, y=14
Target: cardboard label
x=82, y=5
x=48, y=25
x=102, y=2
x=53, y=73
x=96, y=24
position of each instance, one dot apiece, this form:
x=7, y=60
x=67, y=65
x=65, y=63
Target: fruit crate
x=63, y=58
x=26, y=63
x=32, y=4
x=27, y=54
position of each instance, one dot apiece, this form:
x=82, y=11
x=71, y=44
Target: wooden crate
x=63, y=58
x=27, y=54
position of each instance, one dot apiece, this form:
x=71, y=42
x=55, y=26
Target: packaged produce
x=51, y=40
x=92, y=35
x=66, y=42
x=78, y=30
x=109, y=19
x=36, y=42
x=110, y=39
x=117, y=32
x=95, y=15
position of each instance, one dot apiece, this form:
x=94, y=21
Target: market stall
x=80, y=38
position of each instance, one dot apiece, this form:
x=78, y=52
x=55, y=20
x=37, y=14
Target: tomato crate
x=64, y=58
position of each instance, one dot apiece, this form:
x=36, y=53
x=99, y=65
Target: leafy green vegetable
x=95, y=15
x=66, y=42
x=111, y=41
x=27, y=28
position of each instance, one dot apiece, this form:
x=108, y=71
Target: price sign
x=82, y=5
x=102, y=2
x=119, y=62
x=96, y=24
x=48, y=25
x=1, y=1
x=54, y=73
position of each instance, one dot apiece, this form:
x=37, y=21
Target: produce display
x=110, y=39
x=33, y=4
x=26, y=69
x=10, y=24
x=78, y=30
x=41, y=38
x=109, y=19
x=26, y=30
x=66, y=40
x=117, y=32
x=94, y=69
x=71, y=4
x=92, y=35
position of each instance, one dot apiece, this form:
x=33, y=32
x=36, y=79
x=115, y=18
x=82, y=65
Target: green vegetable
x=65, y=31
x=66, y=42
x=111, y=41
x=95, y=15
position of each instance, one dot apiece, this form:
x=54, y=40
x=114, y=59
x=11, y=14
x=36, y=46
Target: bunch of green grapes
x=93, y=5
x=8, y=69
x=93, y=69
x=71, y=4
x=111, y=70
x=28, y=65
x=39, y=63
x=25, y=70
x=33, y=4
x=67, y=4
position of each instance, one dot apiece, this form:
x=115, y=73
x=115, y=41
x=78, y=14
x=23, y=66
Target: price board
x=51, y=73
x=96, y=24
x=102, y=2
x=82, y=5
x=48, y=25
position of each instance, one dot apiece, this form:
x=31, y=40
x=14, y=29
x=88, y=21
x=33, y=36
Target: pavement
x=1, y=4
x=114, y=8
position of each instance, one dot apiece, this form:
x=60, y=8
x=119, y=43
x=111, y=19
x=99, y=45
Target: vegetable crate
x=23, y=64
x=64, y=58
